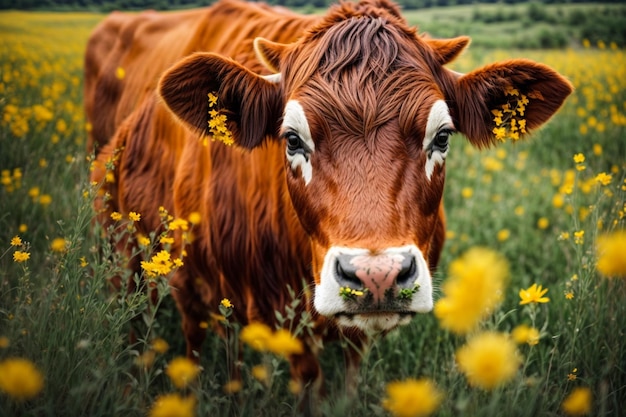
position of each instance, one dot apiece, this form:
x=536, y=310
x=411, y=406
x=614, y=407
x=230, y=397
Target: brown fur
x=366, y=81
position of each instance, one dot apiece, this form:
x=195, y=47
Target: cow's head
x=364, y=108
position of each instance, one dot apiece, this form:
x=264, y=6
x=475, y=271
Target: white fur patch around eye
x=294, y=120
x=438, y=119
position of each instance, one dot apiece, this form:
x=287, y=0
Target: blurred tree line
x=108, y=5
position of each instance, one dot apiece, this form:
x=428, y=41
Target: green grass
x=64, y=317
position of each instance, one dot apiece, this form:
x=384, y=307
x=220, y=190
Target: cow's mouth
x=374, y=321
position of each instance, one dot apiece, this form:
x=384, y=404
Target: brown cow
x=341, y=126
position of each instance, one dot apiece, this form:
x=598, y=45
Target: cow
x=333, y=187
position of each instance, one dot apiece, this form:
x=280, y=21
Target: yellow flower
x=597, y=149
x=45, y=200
x=578, y=402
x=543, y=223
x=534, y=294
x=16, y=241
x=232, y=387
x=284, y=344
x=525, y=334
x=503, y=235
x=4, y=342
x=181, y=224
x=579, y=236
x=579, y=158
x=160, y=264
x=611, y=254
x=488, y=359
x=134, y=216
x=261, y=373
x=603, y=178
x=20, y=379
x=473, y=289
x=182, y=371
x=226, y=303
x=160, y=346
x=116, y=216
x=58, y=245
x=166, y=240
x=173, y=405
x=20, y=256
x=143, y=241
x=83, y=262
x=195, y=218
x=467, y=192
x=569, y=295
x=412, y=398
x=256, y=335
x=120, y=73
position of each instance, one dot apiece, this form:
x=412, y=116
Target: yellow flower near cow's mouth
x=412, y=398
x=473, y=289
x=488, y=360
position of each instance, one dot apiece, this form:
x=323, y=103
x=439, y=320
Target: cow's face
x=364, y=110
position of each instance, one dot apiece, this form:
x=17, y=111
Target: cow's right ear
x=250, y=102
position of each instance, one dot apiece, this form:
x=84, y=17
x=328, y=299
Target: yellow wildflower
x=256, y=335
x=232, y=387
x=611, y=254
x=488, y=359
x=467, y=192
x=534, y=294
x=603, y=178
x=578, y=402
x=181, y=224
x=173, y=405
x=579, y=158
x=120, y=73
x=579, y=236
x=182, y=371
x=525, y=334
x=116, y=216
x=284, y=344
x=543, y=223
x=45, y=200
x=159, y=345
x=412, y=398
x=473, y=289
x=59, y=244
x=503, y=235
x=195, y=218
x=226, y=303
x=20, y=379
x=134, y=216
x=20, y=256
x=143, y=241
x=569, y=295
x=16, y=241
x=261, y=373
x=83, y=262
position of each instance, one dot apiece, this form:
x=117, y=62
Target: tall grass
x=525, y=200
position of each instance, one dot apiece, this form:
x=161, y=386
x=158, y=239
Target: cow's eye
x=440, y=143
x=295, y=145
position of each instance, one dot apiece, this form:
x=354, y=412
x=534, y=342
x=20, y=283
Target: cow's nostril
x=407, y=275
x=345, y=273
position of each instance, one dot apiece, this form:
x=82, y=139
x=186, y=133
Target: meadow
x=550, y=209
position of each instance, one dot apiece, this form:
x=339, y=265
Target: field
x=552, y=206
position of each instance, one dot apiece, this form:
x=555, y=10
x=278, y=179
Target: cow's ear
x=250, y=102
x=516, y=95
x=446, y=50
x=269, y=53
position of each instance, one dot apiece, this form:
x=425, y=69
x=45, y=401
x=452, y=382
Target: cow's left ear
x=516, y=95
x=250, y=102
x=269, y=53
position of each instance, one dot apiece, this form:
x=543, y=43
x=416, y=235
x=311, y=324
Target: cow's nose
x=378, y=274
